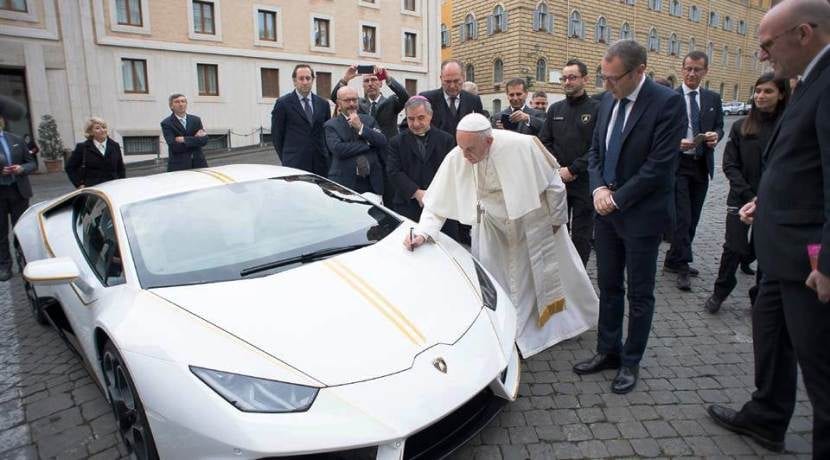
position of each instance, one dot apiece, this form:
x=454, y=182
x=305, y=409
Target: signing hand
x=603, y=202
x=419, y=195
x=747, y=212
x=411, y=244
x=711, y=139
x=566, y=175
x=820, y=283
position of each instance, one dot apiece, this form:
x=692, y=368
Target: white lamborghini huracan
x=254, y=311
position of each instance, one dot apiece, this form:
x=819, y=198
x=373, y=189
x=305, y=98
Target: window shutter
x=504, y=21
x=461, y=33
x=549, y=23
x=475, y=28
x=490, y=26
x=536, y=25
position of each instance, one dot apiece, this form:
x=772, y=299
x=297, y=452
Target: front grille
x=365, y=453
x=451, y=432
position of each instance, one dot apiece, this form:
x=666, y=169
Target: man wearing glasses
x=697, y=163
x=567, y=133
x=631, y=167
x=791, y=225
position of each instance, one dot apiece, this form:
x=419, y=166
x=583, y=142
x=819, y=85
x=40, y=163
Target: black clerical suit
x=411, y=164
x=789, y=324
x=531, y=127
x=567, y=133
x=88, y=167
x=353, y=154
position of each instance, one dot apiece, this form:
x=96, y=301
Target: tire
x=131, y=420
x=34, y=302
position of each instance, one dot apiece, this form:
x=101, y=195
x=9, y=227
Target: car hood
x=354, y=317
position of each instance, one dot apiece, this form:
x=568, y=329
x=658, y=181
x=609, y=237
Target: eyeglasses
x=613, y=80
x=697, y=70
x=565, y=78
x=767, y=45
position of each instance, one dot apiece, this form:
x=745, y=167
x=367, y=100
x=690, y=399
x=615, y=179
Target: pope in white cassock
x=507, y=187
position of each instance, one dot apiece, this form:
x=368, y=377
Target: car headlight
x=251, y=394
x=488, y=290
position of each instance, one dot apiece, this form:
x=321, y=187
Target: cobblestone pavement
x=50, y=408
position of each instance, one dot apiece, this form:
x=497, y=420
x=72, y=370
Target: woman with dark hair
x=742, y=166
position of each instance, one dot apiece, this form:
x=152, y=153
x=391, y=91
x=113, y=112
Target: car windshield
x=241, y=229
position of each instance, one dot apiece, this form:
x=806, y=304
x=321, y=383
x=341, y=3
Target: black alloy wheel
x=31, y=295
x=126, y=406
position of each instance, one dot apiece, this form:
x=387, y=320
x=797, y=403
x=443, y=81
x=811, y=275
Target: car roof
x=135, y=189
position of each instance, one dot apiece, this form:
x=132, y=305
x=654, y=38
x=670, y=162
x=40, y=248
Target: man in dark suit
x=567, y=133
x=357, y=146
x=697, y=163
x=631, y=170
x=413, y=158
x=791, y=317
x=15, y=190
x=384, y=109
x=185, y=136
x=540, y=101
x=450, y=103
x=297, y=125
x=518, y=116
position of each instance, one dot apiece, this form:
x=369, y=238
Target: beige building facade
x=532, y=39
x=121, y=59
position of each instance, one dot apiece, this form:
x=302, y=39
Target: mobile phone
x=506, y=123
x=365, y=69
x=699, y=139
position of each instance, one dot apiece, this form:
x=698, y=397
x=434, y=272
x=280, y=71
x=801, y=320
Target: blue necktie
x=307, y=108
x=6, y=152
x=612, y=153
x=694, y=114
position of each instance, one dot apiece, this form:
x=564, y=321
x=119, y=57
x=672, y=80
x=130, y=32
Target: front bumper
x=421, y=406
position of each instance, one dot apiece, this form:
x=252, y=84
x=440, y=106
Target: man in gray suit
x=519, y=117
x=16, y=163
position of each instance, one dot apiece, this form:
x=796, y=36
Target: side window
x=95, y=233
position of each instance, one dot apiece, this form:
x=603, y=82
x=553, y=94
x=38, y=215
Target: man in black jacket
x=413, y=158
x=185, y=136
x=791, y=315
x=450, y=103
x=567, y=134
x=16, y=163
x=518, y=116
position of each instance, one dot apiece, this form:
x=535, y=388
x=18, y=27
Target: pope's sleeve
x=557, y=199
x=430, y=224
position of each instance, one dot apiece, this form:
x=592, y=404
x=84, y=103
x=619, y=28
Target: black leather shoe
x=5, y=274
x=598, y=362
x=732, y=421
x=683, y=282
x=693, y=272
x=625, y=380
x=747, y=269
x=713, y=304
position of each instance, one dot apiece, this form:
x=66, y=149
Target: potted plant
x=51, y=145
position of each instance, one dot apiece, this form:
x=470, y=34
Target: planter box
x=53, y=166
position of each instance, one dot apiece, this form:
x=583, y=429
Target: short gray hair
x=418, y=101
x=631, y=53
x=173, y=97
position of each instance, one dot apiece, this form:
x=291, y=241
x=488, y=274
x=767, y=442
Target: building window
x=208, y=79
x=725, y=58
x=321, y=32
x=409, y=5
x=410, y=40
x=411, y=86
x=203, y=18
x=498, y=21
x=267, y=21
x=134, y=73
x=710, y=50
x=128, y=12
x=625, y=32
x=675, y=9
x=602, y=31
x=653, y=40
x=270, y=80
x=630, y=2
x=655, y=5
x=720, y=91
x=575, y=29
x=735, y=92
x=541, y=70
x=691, y=44
x=20, y=6
x=368, y=39
x=714, y=20
x=674, y=45
x=727, y=23
x=672, y=81
x=445, y=36
x=742, y=27
x=140, y=145
x=323, y=80
x=496, y=106
x=694, y=13
x=739, y=58
x=598, y=81
x=542, y=19
x=498, y=71
x=470, y=73
x=469, y=30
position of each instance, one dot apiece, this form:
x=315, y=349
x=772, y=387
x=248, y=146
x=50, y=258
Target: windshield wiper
x=302, y=258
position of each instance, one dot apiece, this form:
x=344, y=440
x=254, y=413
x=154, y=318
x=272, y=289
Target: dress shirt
x=633, y=99
x=689, y=132
x=182, y=120
x=457, y=100
x=101, y=146
x=310, y=100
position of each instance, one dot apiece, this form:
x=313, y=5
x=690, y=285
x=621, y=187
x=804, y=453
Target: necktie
x=612, y=154
x=694, y=114
x=307, y=108
x=453, y=110
x=184, y=122
x=374, y=109
x=5, y=145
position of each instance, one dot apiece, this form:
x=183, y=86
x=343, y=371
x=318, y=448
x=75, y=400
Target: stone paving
x=50, y=407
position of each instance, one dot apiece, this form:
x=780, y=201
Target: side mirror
x=52, y=271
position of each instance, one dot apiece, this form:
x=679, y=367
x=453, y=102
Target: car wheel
x=31, y=295
x=129, y=413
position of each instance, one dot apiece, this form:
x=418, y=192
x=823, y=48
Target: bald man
x=450, y=102
x=791, y=218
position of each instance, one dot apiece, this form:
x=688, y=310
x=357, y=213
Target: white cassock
x=513, y=199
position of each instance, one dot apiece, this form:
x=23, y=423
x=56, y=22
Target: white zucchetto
x=473, y=123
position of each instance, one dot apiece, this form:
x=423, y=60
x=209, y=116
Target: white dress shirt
x=101, y=146
x=689, y=132
x=632, y=99
x=457, y=100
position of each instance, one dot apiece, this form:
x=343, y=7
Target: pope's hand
x=414, y=242
x=820, y=283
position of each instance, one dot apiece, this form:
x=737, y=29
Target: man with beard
x=540, y=101
x=567, y=133
x=519, y=117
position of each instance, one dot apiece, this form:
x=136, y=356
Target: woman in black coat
x=96, y=160
x=742, y=165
